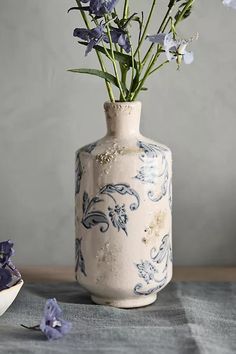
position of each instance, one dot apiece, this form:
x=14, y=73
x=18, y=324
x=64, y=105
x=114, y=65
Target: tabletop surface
x=59, y=273
x=194, y=314
x=187, y=318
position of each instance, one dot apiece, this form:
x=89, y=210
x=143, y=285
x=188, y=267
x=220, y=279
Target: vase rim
x=119, y=103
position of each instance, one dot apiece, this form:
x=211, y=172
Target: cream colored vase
x=123, y=213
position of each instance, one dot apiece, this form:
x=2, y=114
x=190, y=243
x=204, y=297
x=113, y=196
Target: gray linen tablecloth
x=187, y=318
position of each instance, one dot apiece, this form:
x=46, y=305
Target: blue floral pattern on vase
x=119, y=217
x=116, y=215
x=148, y=172
x=163, y=253
x=78, y=165
x=148, y=269
x=79, y=259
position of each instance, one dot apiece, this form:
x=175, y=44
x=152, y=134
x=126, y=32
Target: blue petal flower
x=52, y=325
x=93, y=36
x=120, y=37
x=174, y=49
x=100, y=7
x=6, y=251
x=230, y=3
x=9, y=275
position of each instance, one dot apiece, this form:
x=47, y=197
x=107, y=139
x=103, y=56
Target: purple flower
x=6, y=251
x=5, y=279
x=93, y=36
x=230, y=3
x=100, y=7
x=9, y=275
x=174, y=49
x=52, y=325
x=119, y=36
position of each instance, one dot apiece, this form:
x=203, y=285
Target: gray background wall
x=47, y=113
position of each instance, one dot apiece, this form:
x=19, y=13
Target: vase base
x=125, y=303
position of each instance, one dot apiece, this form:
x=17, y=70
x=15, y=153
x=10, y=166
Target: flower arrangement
x=110, y=33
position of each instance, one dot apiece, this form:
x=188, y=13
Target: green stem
x=108, y=85
x=126, y=9
x=123, y=69
x=132, y=74
x=122, y=96
x=147, y=73
x=158, y=67
x=139, y=38
x=161, y=29
x=146, y=27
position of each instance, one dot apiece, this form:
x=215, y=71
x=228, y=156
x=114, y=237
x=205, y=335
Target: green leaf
x=106, y=76
x=135, y=82
x=122, y=58
x=78, y=8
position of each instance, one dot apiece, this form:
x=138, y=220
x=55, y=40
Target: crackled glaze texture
x=123, y=213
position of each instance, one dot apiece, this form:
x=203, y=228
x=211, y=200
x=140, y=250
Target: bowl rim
x=12, y=288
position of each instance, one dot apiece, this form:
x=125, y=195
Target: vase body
x=123, y=213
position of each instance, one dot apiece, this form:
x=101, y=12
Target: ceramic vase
x=123, y=213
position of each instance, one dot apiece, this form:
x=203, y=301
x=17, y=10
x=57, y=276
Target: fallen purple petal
x=52, y=325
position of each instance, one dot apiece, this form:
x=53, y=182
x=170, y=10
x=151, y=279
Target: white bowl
x=7, y=296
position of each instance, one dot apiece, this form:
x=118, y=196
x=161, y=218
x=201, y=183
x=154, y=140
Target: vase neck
x=123, y=118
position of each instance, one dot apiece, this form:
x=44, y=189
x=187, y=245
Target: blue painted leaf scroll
x=79, y=259
x=78, y=165
x=149, y=173
x=116, y=214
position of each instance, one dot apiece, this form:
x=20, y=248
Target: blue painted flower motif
x=147, y=174
x=100, y=7
x=119, y=36
x=52, y=325
x=230, y=3
x=160, y=260
x=118, y=217
x=174, y=49
x=146, y=271
x=93, y=36
x=92, y=217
